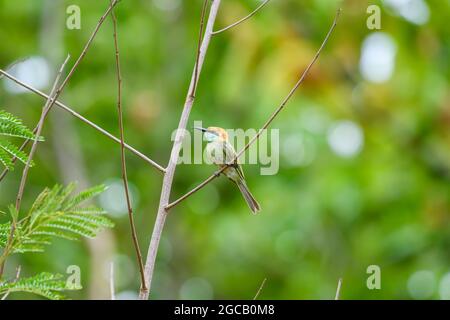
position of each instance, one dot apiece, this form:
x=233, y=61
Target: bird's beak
x=201, y=129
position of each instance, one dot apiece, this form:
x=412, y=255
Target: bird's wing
x=229, y=155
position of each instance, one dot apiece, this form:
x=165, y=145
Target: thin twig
x=15, y=280
x=200, y=39
x=77, y=62
x=81, y=118
x=80, y=58
x=111, y=281
x=170, y=171
x=51, y=100
x=12, y=65
x=268, y=122
x=52, y=97
x=260, y=288
x=88, y=43
x=54, y=93
x=243, y=19
x=122, y=155
x=338, y=290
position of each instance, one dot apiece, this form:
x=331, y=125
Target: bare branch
x=15, y=280
x=80, y=58
x=12, y=65
x=243, y=19
x=122, y=155
x=338, y=290
x=200, y=39
x=197, y=188
x=268, y=122
x=260, y=289
x=88, y=43
x=55, y=92
x=52, y=97
x=81, y=118
x=170, y=171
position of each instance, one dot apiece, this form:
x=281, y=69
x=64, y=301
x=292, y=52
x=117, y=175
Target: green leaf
x=85, y=195
x=5, y=159
x=12, y=126
x=14, y=151
x=45, y=284
x=56, y=214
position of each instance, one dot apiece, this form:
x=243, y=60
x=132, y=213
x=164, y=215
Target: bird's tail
x=252, y=203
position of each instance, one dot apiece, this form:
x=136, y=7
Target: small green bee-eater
x=220, y=152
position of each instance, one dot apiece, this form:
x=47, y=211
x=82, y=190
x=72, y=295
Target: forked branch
x=82, y=119
x=48, y=104
x=66, y=108
x=268, y=122
x=55, y=92
x=170, y=171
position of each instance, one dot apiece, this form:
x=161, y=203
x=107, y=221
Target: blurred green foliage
x=324, y=216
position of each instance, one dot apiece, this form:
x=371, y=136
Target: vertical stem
x=170, y=170
x=123, y=159
x=338, y=290
x=111, y=281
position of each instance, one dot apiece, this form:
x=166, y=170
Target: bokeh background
x=364, y=145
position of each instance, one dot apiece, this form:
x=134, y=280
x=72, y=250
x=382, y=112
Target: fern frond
x=5, y=159
x=13, y=126
x=45, y=284
x=89, y=210
x=56, y=213
x=14, y=151
x=84, y=195
x=5, y=229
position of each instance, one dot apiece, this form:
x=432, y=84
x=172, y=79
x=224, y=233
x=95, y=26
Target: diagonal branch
x=200, y=39
x=243, y=19
x=80, y=58
x=54, y=93
x=77, y=62
x=180, y=133
x=14, y=281
x=51, y=99
x=81, y=118
x=48, y=104
x=268, y=122
x=122, y=155
x=260, y=289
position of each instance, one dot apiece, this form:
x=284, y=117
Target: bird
x=220, y=152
